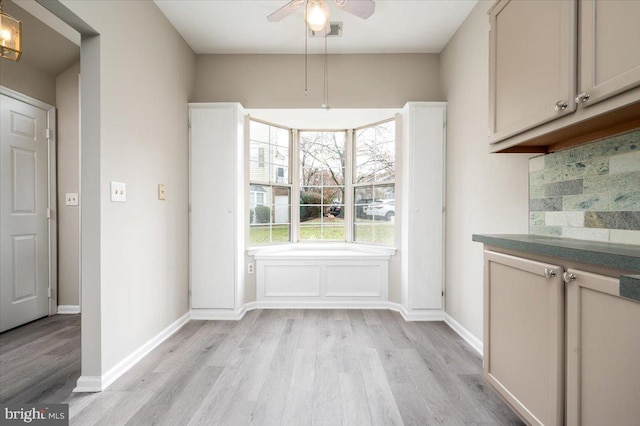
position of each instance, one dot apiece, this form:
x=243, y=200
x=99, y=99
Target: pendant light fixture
x=10, y=36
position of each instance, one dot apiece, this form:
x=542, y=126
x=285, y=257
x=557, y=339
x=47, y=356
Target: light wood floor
x=40, y=361
x=293, y=367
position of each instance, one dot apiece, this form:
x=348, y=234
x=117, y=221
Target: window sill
x=333, y=251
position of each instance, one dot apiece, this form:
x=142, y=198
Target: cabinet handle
x=549, y=273
x=582, y=97
x=568, y=277
x=561, y=105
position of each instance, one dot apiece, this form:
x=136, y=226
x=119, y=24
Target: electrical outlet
x=71, y=199
x=250, y=268
x=118, y=192
x=161, y=192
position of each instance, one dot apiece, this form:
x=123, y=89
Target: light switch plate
x=71, y=199
x=118, y=192
x=161, y=192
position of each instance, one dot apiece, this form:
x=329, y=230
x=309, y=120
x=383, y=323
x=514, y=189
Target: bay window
x=344, y=186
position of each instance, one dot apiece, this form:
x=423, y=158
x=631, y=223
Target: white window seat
x=322, y=274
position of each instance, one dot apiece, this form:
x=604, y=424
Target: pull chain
x=306, y=35
x=325, y=95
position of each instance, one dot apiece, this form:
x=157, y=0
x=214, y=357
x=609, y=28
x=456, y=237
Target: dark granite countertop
x=617, y=256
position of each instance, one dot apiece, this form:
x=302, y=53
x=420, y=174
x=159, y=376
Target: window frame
x=349, y=183
x=374, y=183
x=269, y=184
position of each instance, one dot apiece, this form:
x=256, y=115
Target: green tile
x=596, y=167
x=540, y=177
x=629, y=201
x=625, y=163
x=567, y=187
x=624, y=182
x=585, y=202
x=548, y=231
x=560, y=158
x=537, y=218
x=616, y=145
x=536, y=191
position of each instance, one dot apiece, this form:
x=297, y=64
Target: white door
x=24, y=236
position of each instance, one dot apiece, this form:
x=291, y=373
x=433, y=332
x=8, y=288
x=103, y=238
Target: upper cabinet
x=609, y=49
x=532, y=65
x=562, y=73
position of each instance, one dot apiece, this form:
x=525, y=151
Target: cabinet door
x=609, y=48
x=603, y=351
x=212, y=227
x=523, y=335
x=532, y=58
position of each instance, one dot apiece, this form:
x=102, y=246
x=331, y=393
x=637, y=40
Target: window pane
x=258, y=132
x=311, y=233
x=384, y=233
x=375, y=153
x=281, y=205
x=280, y=234
x=258, y=166
x=259, y=234
x=322, y=170
x=374, y=204
x=269, y=204
x=363, y=232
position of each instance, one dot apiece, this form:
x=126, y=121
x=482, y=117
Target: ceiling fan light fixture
x=10, y=36
x=317, y=13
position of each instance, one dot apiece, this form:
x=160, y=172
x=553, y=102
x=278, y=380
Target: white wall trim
x=219, y=314
x=417, y=314
x=89, y=384
x=472, y=340
x=318, y=304
x=229, y=314
x=100, y=383
x=68, y=309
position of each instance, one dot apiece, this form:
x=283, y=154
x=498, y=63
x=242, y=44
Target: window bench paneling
x=326, y=277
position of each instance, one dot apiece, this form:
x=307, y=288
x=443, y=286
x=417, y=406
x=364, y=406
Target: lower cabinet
x=523, y=329
x=561, y=347
x=603, y=352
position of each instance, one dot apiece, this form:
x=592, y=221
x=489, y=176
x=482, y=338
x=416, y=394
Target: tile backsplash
x=590, y=192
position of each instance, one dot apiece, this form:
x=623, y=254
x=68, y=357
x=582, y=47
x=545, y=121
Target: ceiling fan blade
x=361, y=8
x=285, y=10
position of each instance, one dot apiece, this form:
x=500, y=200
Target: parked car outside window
x=382, y=208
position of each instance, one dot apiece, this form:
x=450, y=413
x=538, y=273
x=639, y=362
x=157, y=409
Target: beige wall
x=68, y=106
x=28, y=80
x=355, y=81
x=139, y=284
x=486, y=193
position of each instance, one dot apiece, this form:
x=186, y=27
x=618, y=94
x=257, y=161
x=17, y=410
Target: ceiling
x=42, y=47
x=241, y=26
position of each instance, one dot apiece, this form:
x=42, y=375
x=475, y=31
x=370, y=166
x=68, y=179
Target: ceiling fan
x=317, y=14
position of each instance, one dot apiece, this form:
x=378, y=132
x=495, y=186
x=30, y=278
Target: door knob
x=567, y=277
x=549, y=273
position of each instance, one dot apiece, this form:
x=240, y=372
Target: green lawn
x=366, y=231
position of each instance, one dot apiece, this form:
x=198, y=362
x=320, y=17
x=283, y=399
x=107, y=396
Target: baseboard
x=417, y=314
x=317, y=304
x=68, y=309
x=89, y=384
x=100, y=383
x=218, y=314
x=472, y=340
x=229, y=314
